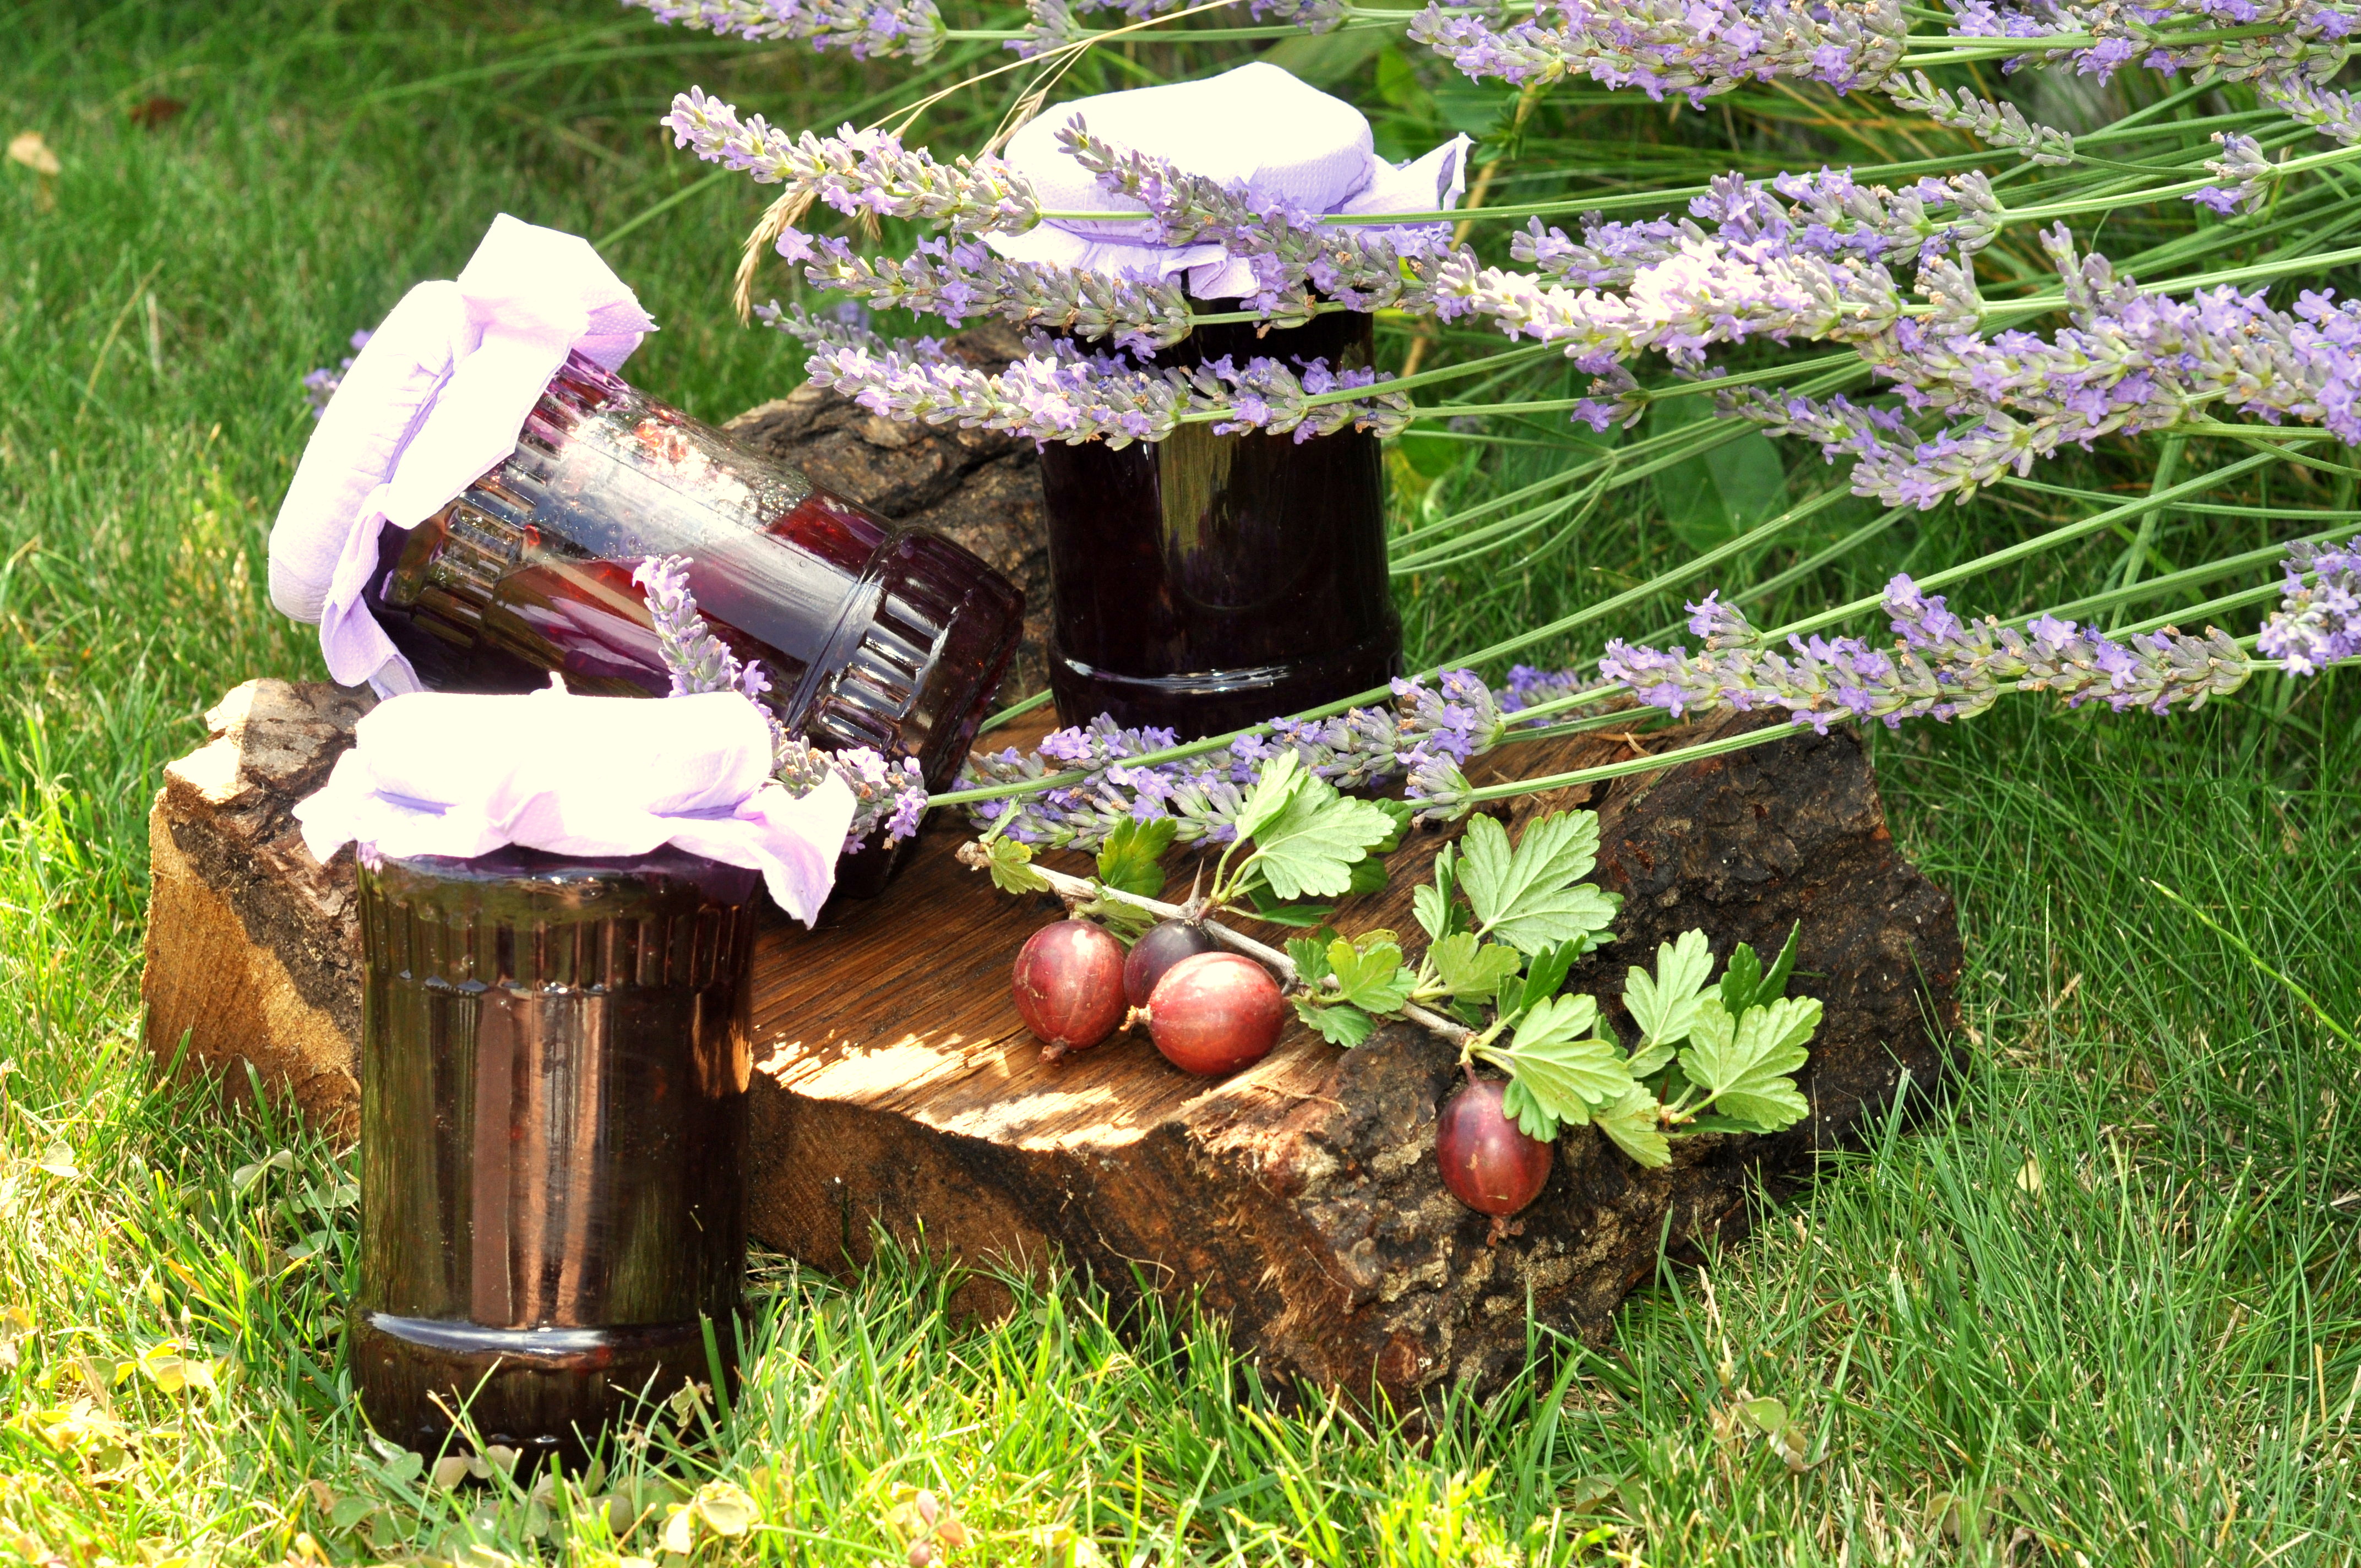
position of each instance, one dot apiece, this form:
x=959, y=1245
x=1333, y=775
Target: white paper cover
x=433, y=401
x=448, y=773
x=1256, y=126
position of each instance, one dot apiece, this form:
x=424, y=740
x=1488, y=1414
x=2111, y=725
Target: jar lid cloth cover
x=1256, y=128
x=460, y=775
x=433, y=400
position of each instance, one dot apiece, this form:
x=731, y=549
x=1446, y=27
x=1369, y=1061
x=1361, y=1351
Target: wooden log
x=898, y=1091
x=253, y=952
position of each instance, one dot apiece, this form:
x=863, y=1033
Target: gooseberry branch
x=1077, y=891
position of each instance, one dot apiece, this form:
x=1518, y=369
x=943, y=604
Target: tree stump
x=897, y=1088
x=253, y=952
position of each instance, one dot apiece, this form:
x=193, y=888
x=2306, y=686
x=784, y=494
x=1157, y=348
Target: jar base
x=547, y=1393
x=1213, y=702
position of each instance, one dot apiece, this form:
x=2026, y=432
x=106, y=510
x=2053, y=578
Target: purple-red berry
x=1488, y=1162
x=1165, y=944
x=1216, y=1013
x=1068, y=985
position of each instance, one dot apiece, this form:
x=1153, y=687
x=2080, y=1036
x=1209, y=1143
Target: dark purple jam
x=1208, y=582
x=554, y=1064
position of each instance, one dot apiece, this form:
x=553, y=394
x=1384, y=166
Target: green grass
x=2101, y=1305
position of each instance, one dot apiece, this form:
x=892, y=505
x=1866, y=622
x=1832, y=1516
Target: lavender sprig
x=2331, y=111
x=1363, y=266
x=321, y=385
x=962, y=278
x=1423, y=739
x=1832, y=216
x=886, y=793
x=1998, y=124
x=1058, y=393
x=2129, y=362
x=869, y=29
x=858, y=171
x=2318, y=622
x=1691, y=49
x=2305, y=40
x=1708, y=291
x=1940, y=666
x=2248, y=173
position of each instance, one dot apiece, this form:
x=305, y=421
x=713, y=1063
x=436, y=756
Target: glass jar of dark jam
x=1205, y=582
x=872, y=634
x=554, y=1064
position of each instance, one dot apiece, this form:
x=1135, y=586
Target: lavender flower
x=886, y=793
x=697, y=659
x=858, y=172
x=1049, y=26
x=2334, y=113
x=1058, y=393
x=1363, y=266
x=962, y=278
x=1694, y=49
x=2129, y=361
x=1425, y=736
x=1939, y=667
x=1832, y=216
x=1530, y=687
x=1999, y=125
x=321, y=385
x=2250, y=174
x=2304, y=37
x=2318, y=622
x=1707, y=292
x=878, y=29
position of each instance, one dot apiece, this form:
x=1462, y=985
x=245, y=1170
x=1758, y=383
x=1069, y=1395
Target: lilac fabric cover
x=1257, y=126
x=447, y=773
x=434, y=400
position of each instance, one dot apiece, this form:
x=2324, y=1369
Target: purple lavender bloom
x=1424, y=738
x=2318, y=622
x=321, y=385
x=1694, y=49
x=867, y=29
x=858, y=172
x=1939, y=667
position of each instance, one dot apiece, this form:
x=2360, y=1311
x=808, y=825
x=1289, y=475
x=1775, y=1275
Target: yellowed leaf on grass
x=166, y=1366
x=14, y=1324
x=28, y=149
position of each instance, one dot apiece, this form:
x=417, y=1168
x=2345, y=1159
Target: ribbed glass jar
x=872, y=634
x=554, y=1065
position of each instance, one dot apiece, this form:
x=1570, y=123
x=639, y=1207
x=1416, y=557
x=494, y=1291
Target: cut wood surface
x=253, y=949
x=898, y=1089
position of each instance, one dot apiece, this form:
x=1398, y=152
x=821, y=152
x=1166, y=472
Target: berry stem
x=976, y=855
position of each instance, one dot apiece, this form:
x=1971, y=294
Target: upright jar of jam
x=872, y=634
x=1205, y=582
x=554, y=1061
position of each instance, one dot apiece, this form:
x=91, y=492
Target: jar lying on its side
x=871, y=633
x=554, y=1065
